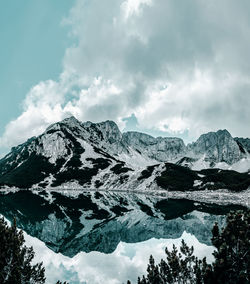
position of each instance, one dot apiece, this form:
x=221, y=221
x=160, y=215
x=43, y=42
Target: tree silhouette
x=16, y=259
x=232, y=258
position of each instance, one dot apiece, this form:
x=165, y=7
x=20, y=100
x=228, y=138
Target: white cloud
x=177, y=66
x=41, y=107
x=128, y=260
x=131, y=7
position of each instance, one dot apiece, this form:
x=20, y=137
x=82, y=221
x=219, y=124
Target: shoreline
x=220, y=197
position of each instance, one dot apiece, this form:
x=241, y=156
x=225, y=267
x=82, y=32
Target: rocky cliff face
x=244, y=144
x=105, y=135
x=97, y=155
x=217, y=147
x=159, y=149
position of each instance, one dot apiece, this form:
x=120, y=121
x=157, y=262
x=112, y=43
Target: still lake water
x=107, y=237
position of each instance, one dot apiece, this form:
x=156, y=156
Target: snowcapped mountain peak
x=210, y=148
x=98, y=154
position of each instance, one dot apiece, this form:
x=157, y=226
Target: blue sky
x=33, y=42
x=164, y=67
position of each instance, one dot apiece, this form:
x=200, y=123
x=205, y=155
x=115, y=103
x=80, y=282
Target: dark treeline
x=232, y=258
x=231, y=264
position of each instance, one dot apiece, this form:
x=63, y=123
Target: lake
x=107, y=237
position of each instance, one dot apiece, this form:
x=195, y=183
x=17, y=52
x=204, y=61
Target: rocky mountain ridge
x=93, y=155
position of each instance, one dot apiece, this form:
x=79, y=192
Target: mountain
x=98, y=221
x=72, y=154
x=217, y=147
x=244, y=144
x=159, y=149
x=218, y=150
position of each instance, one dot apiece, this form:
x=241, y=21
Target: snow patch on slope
x=88, y=153
x=241, y=166
x=135, y=160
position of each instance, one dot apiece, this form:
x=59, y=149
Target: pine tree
x=179, y=267
x=16, y=258
x=232, y=258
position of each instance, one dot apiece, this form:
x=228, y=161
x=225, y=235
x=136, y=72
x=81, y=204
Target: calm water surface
x=107, y=237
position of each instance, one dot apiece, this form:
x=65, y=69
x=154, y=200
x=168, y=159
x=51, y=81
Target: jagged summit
x=70, y=119
x=160, y=149
x=100, y=155
x=215, y=137
x=108, y=128
x=67, y=122
x=107, y=123
x=217, y=147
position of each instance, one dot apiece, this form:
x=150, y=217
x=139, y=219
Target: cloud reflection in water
x=128, y=261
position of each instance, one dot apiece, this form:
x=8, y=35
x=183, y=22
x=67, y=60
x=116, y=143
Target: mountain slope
x=244, y=144
x=97, y=155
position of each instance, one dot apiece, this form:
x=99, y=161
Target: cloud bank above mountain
x=178, y=66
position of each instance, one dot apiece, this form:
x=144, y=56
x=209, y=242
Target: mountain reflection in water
x=107, y=237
